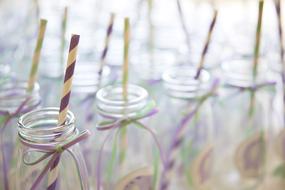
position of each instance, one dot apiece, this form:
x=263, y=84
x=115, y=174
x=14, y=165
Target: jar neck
x=41, y=126
x=110, y=101
x=86, y=77
x=14, y=93
x=239, y=72
x=180, y=82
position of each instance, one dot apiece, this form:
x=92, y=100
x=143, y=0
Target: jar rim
x=41, y=125
x=110, y=101
x=180, y=82
x=238, y=72
x=103, y=92
x=14, y=93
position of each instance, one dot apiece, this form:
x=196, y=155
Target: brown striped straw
x=54, y=169
x=126, y=58
x=257, y=38
x=106, y=44
x=63, y=34
x=206, y=46
x=37, y=55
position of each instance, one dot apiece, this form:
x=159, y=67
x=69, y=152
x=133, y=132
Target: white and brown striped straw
x=206, y=46
x=106, y=44
x=54, y=169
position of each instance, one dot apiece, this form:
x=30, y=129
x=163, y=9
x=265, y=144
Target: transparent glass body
x=245, y=125
x=12, y=96
x=85, y=85
x=134, y=146
x=182, y=96
x=40, y=127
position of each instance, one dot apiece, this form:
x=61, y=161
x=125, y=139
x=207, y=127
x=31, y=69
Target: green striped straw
x=256, y=54
x=63, y=34
x=126, y=58
x=257, y=38
x=37, y=55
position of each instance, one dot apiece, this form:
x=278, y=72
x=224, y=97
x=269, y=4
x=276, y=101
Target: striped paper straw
x=54, y=169
x=184, y=26
x=37, y=55
x=126, y=57
x=257, y=38
x=106, y=44
x=63, y=33
x=206, y=46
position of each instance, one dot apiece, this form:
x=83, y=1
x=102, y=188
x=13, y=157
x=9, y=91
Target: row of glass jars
x=231, y=141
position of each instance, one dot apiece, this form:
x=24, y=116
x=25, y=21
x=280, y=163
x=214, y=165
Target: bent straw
x=54, y=170
x=37, y=55
x=206, y=46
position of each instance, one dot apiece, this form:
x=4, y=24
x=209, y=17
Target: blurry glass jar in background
x=19, y=21
x=148, y=66
x=85, y=85
x=128, y=121
x=245, y=114
x=190, y=160
x=14, y=101
x=38, y=130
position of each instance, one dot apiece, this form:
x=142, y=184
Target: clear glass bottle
x=39, y=128
x=245, y=111
x=85, y=85
x=184, y=105
x=133, y=144
x=14, y=101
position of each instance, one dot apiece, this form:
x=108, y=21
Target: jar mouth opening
x=14, y=93
x=86, y=77
x=239, y=72
x=41, y=126
x=180, y=82
x=110, y=100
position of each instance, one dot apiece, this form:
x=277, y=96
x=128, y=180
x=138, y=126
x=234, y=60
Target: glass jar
x=14, y=101
x=129, y=144
x=148, y=66
x=39, y=136
x=185, y=126
x=247, y=127
x=85, y=85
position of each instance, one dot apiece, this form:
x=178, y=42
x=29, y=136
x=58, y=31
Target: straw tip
x=43, y=21
x=127, y=19
x=75, y=37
